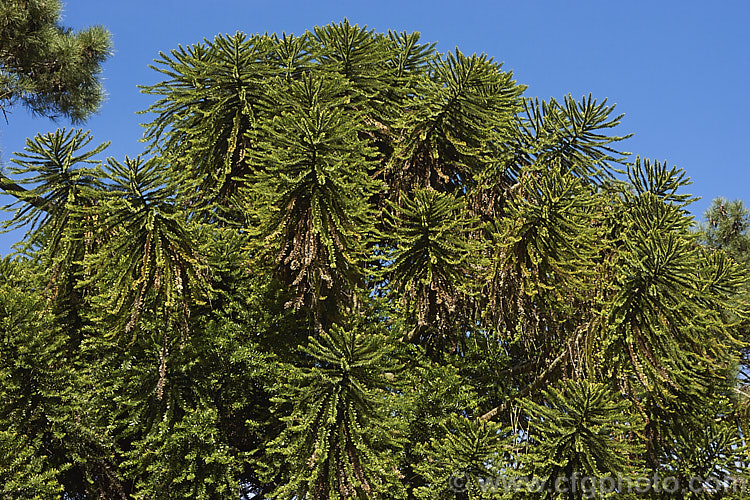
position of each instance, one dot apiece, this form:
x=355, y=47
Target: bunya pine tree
x=349, y=266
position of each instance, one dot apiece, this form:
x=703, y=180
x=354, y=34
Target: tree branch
x=539, y=380
x=13, y=189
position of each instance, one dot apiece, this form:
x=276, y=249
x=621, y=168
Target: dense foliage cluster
x=47, y=67
x=348, y=266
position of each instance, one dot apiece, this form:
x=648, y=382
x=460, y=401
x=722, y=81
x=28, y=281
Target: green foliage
x=726, y=228
x=44, y=397
x=313, y=187
x=352, y=267
x=205, y=469
x=213, y=95
x=544, y=242
x=49, y=68
x=570, y=134
x=25, y=470
x=726, y=232
x=433, y=261
x=715, y=451
x=138, y=224
x=456, y=120
x=339, y=440
x=355, y=53
x=658, y=316
x=581, y=429
x=468, y=452
x=60, y=174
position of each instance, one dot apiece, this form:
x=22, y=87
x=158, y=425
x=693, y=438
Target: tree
x=431, y=264
x=313, y=184
x=48, y=68
x=725, y=231
x=350, y=266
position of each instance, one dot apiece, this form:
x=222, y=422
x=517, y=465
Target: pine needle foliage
x=52, y=70
x=726, y=230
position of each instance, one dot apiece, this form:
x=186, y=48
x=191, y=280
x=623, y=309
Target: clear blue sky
x=679, y=70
